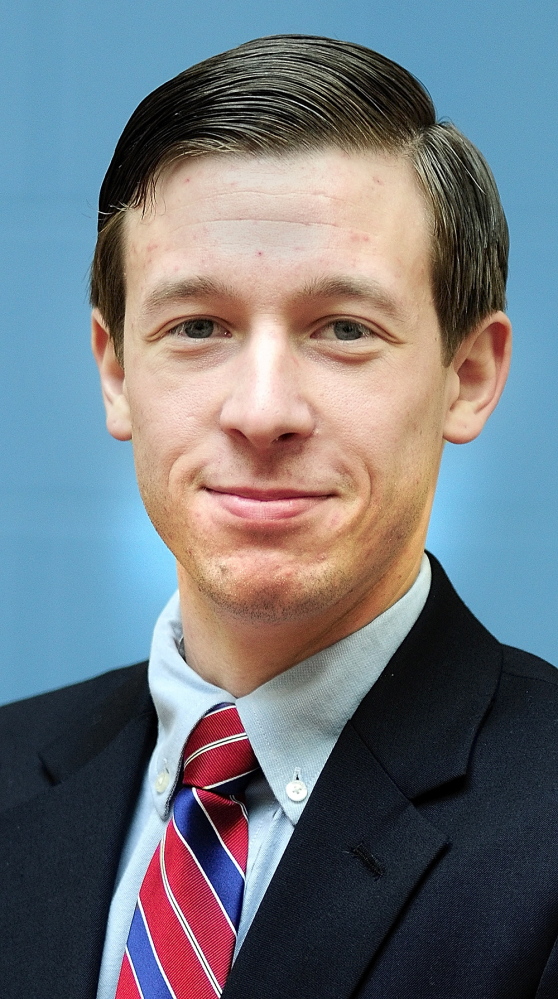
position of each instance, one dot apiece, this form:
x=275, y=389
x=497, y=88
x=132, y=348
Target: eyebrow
x=180, y=291
x=342, y=286
x=355, y=288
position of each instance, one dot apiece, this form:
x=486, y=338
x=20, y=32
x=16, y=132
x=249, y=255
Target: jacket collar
x=421, y=718
x=89, y=735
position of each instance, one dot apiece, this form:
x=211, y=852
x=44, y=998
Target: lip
x=264, y=505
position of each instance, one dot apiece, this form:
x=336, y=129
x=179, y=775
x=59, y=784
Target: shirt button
x=162, y=781
x=296, y=790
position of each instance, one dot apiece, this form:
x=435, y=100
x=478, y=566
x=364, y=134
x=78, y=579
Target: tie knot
x=218, y=755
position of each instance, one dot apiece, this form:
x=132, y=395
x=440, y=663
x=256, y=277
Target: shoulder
x=524, y=665
x=38, y=719
x=531, y=684
x=524, y=715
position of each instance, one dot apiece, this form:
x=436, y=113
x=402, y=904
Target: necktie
x=183, y=931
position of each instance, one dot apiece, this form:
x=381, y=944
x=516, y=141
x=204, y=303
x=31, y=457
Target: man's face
x=284, y=386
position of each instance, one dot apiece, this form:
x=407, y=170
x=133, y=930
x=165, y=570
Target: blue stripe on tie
x=212, y=857
x=148, y=973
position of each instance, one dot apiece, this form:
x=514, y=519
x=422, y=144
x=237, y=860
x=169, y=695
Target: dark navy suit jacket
x=425, y=865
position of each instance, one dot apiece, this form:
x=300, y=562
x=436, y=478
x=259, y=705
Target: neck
x=239, y=654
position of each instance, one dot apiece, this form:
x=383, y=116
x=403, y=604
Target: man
x=298, y=291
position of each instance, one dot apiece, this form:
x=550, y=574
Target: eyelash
x=191, y=322
x=366, y=332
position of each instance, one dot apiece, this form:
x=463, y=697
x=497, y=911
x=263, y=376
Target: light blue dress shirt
x=293, y=723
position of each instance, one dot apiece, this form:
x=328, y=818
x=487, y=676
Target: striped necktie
x=183, y=932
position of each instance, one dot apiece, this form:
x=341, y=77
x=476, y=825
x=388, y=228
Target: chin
x=273, y=597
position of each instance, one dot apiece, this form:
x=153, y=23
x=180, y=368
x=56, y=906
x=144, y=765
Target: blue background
x=83, y=573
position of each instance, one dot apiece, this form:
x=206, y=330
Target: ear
x=113, y=382
x=478, y=375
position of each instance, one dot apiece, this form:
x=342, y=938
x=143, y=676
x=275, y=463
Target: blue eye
x=197, y=329
x=346, y=330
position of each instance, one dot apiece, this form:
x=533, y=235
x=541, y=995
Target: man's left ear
x=478, y=374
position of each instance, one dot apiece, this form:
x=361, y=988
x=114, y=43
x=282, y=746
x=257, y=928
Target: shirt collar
x=294, y=720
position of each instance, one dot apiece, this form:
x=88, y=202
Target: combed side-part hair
x=296, y=93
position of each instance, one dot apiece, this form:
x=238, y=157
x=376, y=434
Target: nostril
x=284, y=437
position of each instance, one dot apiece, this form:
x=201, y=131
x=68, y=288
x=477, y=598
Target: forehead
x=314, y=209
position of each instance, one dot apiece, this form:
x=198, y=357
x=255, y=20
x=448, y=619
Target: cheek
x=398, y=434
x=161, y=432
x=164, y=408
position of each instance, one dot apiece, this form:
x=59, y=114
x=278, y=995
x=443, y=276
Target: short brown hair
x=291, y=93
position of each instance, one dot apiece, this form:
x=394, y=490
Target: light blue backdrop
x=83, y=573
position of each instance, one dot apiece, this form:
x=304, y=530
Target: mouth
x=265, y=505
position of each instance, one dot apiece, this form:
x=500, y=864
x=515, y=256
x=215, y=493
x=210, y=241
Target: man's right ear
x=113, y=382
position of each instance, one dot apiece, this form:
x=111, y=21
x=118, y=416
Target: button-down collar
x=294, y=720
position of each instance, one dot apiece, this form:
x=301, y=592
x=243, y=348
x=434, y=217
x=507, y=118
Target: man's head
x=294, y=93
x=281, y=364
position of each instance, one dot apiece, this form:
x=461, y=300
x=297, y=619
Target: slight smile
x=265, y=504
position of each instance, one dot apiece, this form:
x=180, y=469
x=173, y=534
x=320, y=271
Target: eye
x=346, y=329
x=198, y=329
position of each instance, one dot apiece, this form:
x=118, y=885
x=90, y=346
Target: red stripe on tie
x=219, y=764
x=127, y=985
x=176, y=952
x=220, y=725
x=229, y=821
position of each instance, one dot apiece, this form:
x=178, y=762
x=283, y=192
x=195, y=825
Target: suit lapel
x=74, y=832
x=362, y=847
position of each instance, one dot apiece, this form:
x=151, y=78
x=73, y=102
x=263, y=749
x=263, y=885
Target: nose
x=265, y=401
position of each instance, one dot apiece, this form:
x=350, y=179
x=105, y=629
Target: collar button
x=296, y=790
x=162, y=781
